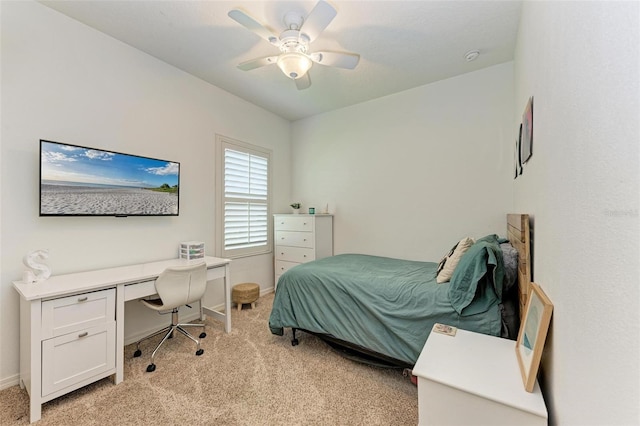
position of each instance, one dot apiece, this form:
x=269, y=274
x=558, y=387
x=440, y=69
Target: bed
x=384, y=308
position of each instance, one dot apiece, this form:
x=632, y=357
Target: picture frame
x=515, y=160
x=532, y=335
x=526, y=132
x=517, y=155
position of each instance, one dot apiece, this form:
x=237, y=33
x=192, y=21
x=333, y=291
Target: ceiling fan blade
x=303, y=82
x=257, y=63
x=318, y=19
x=252, y=25
x=336, y=59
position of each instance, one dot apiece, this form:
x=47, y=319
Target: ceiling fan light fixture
x=294, y=65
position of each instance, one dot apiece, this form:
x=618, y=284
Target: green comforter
x=389, y=305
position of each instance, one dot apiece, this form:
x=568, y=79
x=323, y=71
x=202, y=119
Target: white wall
x=66, y=82
x=580, y=61
x=400, y=173
x=409, y=174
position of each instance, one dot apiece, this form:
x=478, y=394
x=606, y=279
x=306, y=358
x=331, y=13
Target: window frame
x=223, y=143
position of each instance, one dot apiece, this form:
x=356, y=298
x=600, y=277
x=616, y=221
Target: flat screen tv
x=81, y=181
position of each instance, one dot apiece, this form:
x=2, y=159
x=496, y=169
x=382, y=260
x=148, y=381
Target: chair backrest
x=181, y=285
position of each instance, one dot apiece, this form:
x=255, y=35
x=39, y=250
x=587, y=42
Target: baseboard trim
x=10, y=381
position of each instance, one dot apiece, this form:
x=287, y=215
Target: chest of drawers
x=301, y=238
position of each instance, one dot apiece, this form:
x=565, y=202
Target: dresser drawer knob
x=85, y=334
x=82, y=299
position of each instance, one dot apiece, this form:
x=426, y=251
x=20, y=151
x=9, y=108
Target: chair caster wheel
x=137, y=353
x=203, y=335
x=294, y=342
x=199, y=352
x=151, y=368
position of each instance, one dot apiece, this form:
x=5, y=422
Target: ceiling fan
x=295, y=60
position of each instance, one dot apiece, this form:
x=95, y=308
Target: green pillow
x=477, y=281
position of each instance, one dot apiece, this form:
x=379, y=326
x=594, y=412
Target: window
x=243, y=198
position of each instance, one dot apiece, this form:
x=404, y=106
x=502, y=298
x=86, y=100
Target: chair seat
x=155, y=304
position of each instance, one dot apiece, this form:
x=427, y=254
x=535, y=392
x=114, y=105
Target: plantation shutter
x=245, y=201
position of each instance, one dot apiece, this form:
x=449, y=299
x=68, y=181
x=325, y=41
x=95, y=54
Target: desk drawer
x=74, y=357
x=78, y=312
x=139, y=290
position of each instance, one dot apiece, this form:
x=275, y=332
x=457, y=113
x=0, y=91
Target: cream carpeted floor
x=247, y=377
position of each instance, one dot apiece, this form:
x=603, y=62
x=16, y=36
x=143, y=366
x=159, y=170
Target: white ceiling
x=402, y=44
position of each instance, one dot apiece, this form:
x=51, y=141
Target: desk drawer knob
x=82, y=299
x=85, y=334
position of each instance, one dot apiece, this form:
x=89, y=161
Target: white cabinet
x=473, y=378
x=301, y=238
x=66, y=343
x=75, y=357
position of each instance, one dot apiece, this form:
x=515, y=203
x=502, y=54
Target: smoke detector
x=471, y=55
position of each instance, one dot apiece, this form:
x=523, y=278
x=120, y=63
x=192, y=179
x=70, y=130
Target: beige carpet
x=247, y=377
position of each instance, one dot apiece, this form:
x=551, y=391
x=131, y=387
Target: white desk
x=89, y=329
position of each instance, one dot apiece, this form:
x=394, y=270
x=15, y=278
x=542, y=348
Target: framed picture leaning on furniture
x=532, y=334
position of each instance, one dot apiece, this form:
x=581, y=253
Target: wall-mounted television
x=80, y=181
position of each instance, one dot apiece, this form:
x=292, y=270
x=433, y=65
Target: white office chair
x=176, y=287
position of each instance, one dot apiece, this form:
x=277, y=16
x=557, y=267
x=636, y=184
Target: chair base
x=168, y=333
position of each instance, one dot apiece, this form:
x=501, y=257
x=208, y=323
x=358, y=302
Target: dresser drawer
x=75, y=313
x=296, y=239
x=295, y=254
x=294, y=223
x=69, y=359
x=283, y=266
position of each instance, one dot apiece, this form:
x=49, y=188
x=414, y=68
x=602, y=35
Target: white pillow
x=450, y=261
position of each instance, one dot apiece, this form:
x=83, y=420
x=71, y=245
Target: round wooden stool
x=245, y=293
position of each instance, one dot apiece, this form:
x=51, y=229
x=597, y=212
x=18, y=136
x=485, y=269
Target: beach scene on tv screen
x=84, y=181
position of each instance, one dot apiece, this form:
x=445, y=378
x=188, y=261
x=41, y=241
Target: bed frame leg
x=294, y=341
